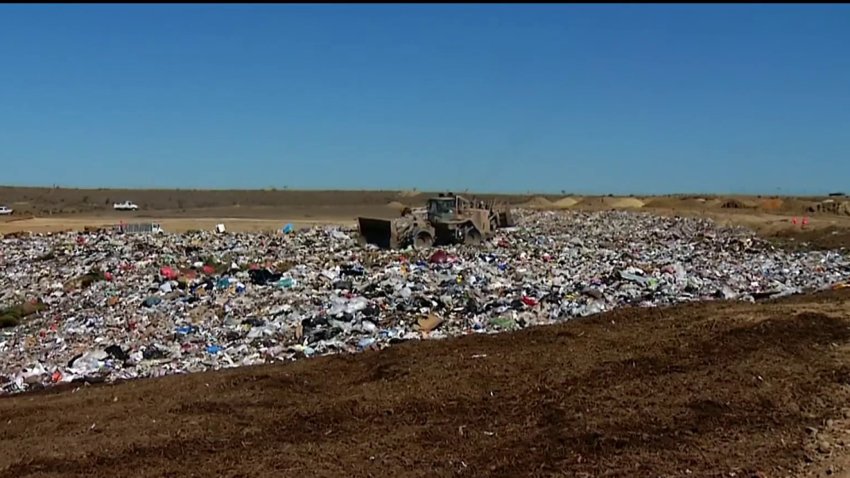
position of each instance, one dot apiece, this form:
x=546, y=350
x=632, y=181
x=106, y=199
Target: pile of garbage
x=103, y=306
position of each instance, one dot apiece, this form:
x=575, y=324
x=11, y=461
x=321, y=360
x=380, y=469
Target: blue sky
x=584, y=98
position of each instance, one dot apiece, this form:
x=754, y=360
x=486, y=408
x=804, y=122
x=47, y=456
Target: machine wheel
x=423, y=240
x=472, y=236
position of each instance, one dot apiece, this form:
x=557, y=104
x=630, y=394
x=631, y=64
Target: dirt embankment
x=704, y=390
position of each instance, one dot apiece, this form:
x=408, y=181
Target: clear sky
x=588, y=99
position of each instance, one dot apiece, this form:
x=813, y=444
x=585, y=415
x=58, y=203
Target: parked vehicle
x=125, y=206
x=5, y=211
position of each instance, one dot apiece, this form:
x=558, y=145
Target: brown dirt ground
x=269, y=210
x=63, y=201
x=701, y=390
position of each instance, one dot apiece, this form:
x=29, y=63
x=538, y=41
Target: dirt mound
x=625, y=203
x=565, y=203
x=663, y=202
x=396, y=205
x=611, y=202
x=733, y=203
x=409, y=194
x=675, y=203
x=798, y=206
x=538, y=202
x=641, y=392
x=772, y=204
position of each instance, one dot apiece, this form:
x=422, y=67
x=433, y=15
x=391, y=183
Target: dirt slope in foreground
x=700, y=390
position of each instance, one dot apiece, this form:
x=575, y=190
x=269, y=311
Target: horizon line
x=416, y=190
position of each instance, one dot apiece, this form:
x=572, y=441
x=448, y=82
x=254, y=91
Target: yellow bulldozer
x=447, y=219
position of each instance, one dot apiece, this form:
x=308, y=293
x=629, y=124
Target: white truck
x=125, y=206
x=5, y=211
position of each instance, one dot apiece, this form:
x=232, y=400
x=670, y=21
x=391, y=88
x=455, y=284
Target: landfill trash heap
x=104, y=306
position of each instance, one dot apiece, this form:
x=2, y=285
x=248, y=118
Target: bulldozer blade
x=506, y=219
x=380, y=232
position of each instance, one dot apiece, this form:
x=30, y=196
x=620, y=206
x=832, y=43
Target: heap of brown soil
x=772, y=204
x=565, y=203
x=538, y=202
x=675, y=203
x=796, y=206
x=732, y=203
x=624, y=203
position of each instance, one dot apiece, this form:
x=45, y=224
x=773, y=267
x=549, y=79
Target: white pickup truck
x=5, y=211
x=125, y=206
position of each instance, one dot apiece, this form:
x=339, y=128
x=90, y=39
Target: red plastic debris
x=108, y=276
x=529, y=301
x=168, y=273
x=439, y=257
x=56, y=377
x=209, y=270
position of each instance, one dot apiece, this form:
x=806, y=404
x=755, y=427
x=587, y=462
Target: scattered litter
x=430, y=323
x=120, y=306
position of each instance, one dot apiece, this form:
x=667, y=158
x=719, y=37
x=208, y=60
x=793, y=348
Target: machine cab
x=442, y=209
x=447, y=208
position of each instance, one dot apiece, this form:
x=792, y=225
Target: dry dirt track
x=702, y=390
